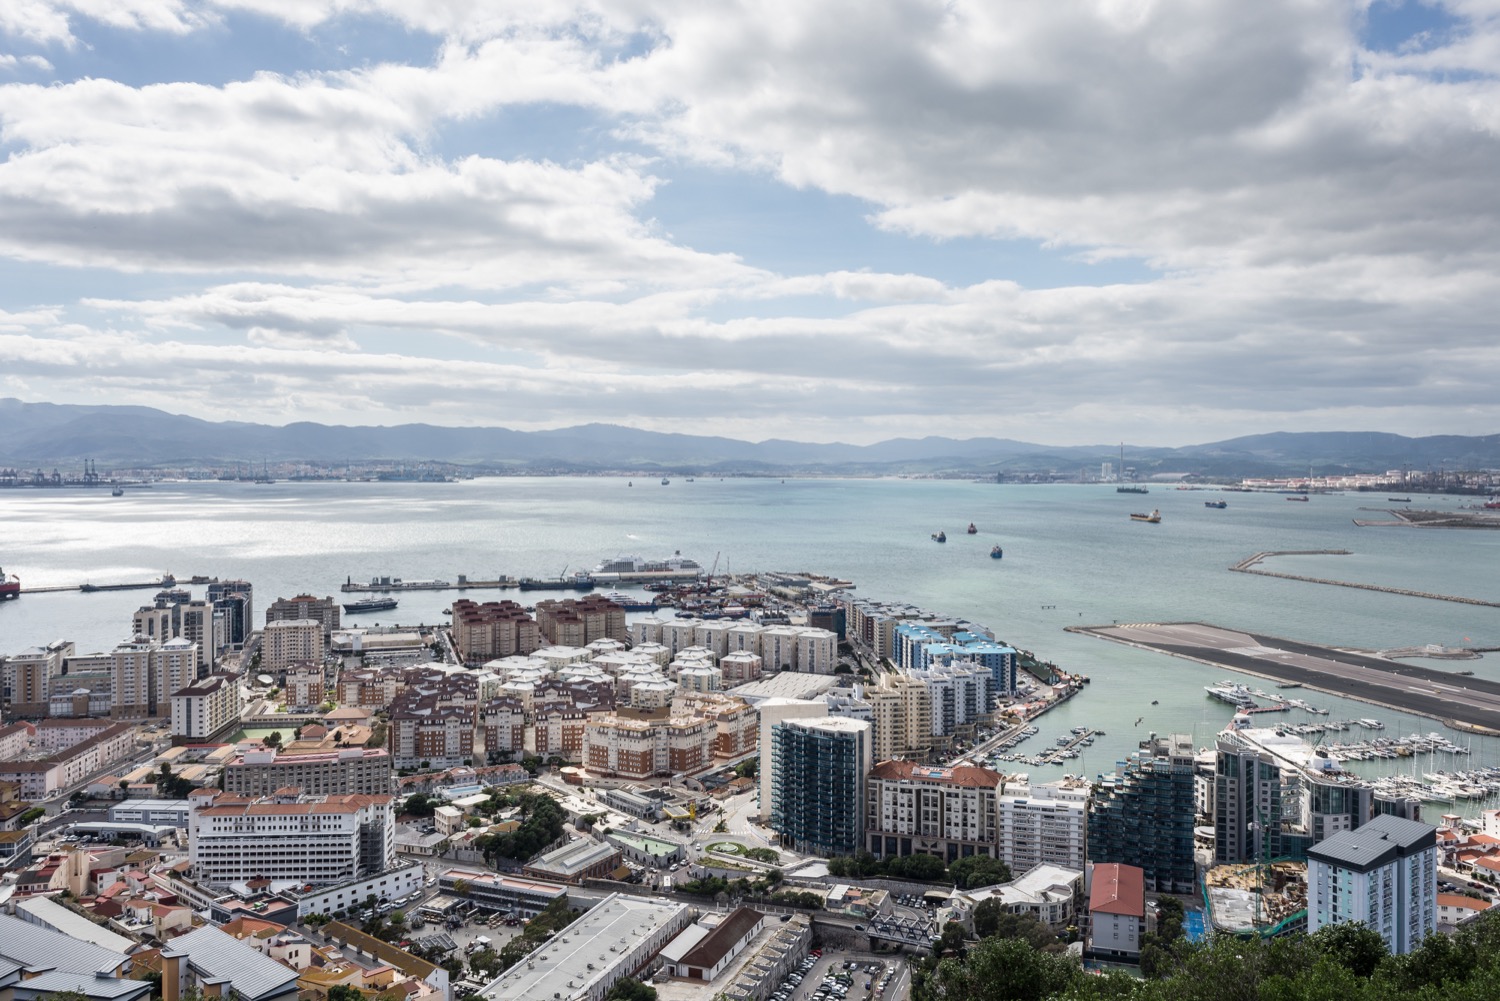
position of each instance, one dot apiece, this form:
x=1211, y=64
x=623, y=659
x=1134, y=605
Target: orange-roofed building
x=1117, y=908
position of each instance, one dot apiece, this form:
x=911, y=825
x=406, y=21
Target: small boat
x=1220, y=504
x=117, y=492
x=630, y=483
x=665, y=481
x=972, y=529
x=1154, y=702
x=939, y=536
x=1153, y=518
x=1300, y=497
x=996, y=553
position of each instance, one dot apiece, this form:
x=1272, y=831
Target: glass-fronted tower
x=818, y=771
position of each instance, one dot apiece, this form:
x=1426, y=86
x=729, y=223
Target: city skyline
x=1160, y=222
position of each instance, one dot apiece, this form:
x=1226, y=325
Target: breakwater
x=1251, y=564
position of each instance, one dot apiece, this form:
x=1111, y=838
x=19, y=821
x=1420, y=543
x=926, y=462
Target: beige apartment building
x=286, y=642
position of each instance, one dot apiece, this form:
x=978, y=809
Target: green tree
x=1356, y=947
x=1000, y=969
x=978, y=870
x=273, y=739
x=421, y=805
x=992, y=920
x=343, y=992
x=630, y=989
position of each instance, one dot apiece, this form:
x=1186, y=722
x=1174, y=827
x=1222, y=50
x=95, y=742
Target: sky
x=1156, y=221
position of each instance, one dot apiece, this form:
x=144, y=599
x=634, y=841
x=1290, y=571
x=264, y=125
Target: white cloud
x=50, y=21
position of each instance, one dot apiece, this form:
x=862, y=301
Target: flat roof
x=561, y=965
x=787, y=685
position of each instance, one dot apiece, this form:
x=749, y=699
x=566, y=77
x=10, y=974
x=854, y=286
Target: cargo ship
x=1131, y=490
x=1221, y=505
x=1153, y=518
x=10, y=587
x=369, y=605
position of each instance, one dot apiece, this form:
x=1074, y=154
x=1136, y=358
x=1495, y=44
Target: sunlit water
x=1072, y=556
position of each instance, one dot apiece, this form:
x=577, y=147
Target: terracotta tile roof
x=969, y=776
x=1459, y=900
x=1118, y=889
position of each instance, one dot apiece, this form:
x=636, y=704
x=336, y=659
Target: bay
x=1072, y=557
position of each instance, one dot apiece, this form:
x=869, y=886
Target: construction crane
x=709, y=581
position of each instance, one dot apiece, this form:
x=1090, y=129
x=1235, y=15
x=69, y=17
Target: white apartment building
x=288, y=641
x=1382, y=874
x=206, y=708
x=309, y=839
x=1047, y=824
x=916, y=809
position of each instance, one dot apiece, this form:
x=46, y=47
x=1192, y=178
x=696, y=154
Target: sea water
x=1072, y=557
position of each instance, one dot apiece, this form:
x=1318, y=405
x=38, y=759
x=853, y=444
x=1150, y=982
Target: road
x=1468, y=702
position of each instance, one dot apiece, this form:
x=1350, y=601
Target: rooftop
x=719, y=942
x=588, y=949
x=1376, y=843
x=1118, y=889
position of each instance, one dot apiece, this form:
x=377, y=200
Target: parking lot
x=842, y=976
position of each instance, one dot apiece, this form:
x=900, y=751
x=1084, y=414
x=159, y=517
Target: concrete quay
x=1462, y=702
x=1250, y=564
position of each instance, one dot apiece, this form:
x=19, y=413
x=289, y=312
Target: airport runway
x=1464, y=702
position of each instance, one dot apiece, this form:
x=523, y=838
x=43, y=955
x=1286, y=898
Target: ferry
x=370, y=605
x=1219, y=504
x=1153, y=518
x=996, y=553
x=1236, y=695
x=939, y=536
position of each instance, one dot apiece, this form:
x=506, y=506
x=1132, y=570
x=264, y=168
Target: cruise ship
x=624, y=568
x=1236, y=695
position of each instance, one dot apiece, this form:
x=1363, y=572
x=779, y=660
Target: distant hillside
x=54, y=435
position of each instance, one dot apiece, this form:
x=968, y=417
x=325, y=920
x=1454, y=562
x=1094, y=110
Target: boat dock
x=1462, y=702
x=1250, y=564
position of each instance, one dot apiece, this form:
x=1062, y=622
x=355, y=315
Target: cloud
x=50, y=21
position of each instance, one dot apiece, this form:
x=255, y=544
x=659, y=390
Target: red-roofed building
x=916, y=809
x=1117, y=905
x=1454, y=909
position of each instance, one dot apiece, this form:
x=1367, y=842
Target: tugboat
x=1153, y=518
x=940, y=536
x=996, y=553
x=972, y=529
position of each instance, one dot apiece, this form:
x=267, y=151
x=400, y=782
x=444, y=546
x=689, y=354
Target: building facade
x=819, y=769
x=312, y=839
x=1143, y=815
x=914, y=809
x=206, y=708
x=1383, y=875
x=359, y=771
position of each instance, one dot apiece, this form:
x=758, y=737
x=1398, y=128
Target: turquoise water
x=1072, y=557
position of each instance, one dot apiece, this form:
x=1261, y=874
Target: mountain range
x=35, y=435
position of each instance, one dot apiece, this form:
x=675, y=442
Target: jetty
x=90, y=588
x=1251, y=564
x=1462, y=702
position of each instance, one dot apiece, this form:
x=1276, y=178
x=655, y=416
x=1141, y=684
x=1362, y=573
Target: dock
x=90, y=588
x=1251, y=564
x=462, y=584
x=1459, y=701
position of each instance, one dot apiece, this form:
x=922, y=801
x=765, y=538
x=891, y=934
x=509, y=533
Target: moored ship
x=628, y=568
x=575, y=583
x=631, y=602
x=1153, y=518
x=369, y=605
x=1236, y=695
x=10, y=587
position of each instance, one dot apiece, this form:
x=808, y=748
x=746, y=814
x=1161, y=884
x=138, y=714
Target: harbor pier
x=1251, y=564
